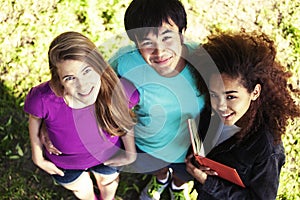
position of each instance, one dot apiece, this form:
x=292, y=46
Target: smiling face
x=163, y=50
x=80, y=81
x=229, y=98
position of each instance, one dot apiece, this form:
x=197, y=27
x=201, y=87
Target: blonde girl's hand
x=200, y=172
x=48, y=167
x=127, y=156
x=45, y=140
x=36, y=147
x=121, y=159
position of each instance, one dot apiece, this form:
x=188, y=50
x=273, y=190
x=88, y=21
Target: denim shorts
x=72, y=174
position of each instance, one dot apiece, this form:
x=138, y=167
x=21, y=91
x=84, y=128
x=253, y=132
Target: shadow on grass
x=131, y=185
x=20, y=178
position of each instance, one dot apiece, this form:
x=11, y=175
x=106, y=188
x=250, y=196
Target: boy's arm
x=129, y=155
x=45, y=140
x=37, y=148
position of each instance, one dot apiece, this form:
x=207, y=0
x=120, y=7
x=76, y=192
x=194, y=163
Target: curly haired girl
x=251, y=93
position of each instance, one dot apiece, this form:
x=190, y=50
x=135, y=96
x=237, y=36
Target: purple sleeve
x=131, y=92
x=33, y=103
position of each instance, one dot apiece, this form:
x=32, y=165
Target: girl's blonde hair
x=112, y=111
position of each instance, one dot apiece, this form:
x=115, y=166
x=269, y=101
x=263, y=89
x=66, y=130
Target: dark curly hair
x=252, y=58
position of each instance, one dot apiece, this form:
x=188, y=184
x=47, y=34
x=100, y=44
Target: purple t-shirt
x=74, y=132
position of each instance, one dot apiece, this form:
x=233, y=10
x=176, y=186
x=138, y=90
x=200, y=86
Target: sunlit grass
x=28, y=27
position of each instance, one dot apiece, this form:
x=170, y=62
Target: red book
x=225, y=172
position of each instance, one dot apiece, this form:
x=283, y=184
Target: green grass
x=27, y=28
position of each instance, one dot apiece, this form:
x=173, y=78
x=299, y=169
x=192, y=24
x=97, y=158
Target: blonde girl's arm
x=37, y=147
x=129, y=145
x=129, y=155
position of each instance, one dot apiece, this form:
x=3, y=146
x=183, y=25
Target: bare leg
x=82, y=187
x=107, y=185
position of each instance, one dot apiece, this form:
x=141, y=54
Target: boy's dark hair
x=141, y=14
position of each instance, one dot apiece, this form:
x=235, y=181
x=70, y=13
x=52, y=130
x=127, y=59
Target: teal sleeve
x=113, y=62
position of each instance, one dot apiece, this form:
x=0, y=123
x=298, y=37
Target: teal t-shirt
x=164, y=107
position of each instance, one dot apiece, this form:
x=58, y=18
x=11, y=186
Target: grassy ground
x=27, y=27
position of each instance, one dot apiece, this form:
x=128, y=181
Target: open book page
x=211, y=136
x=223, y=171
x=197, y=144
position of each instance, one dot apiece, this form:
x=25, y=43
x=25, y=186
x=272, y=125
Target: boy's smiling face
x=163, y=50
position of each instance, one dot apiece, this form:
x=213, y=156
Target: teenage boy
x=156, y=65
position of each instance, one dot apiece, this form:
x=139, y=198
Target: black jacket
x=257, y=160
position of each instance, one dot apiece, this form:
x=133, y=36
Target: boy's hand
x=45, y=140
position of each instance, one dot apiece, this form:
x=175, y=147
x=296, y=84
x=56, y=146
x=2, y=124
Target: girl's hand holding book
x=200, y=172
